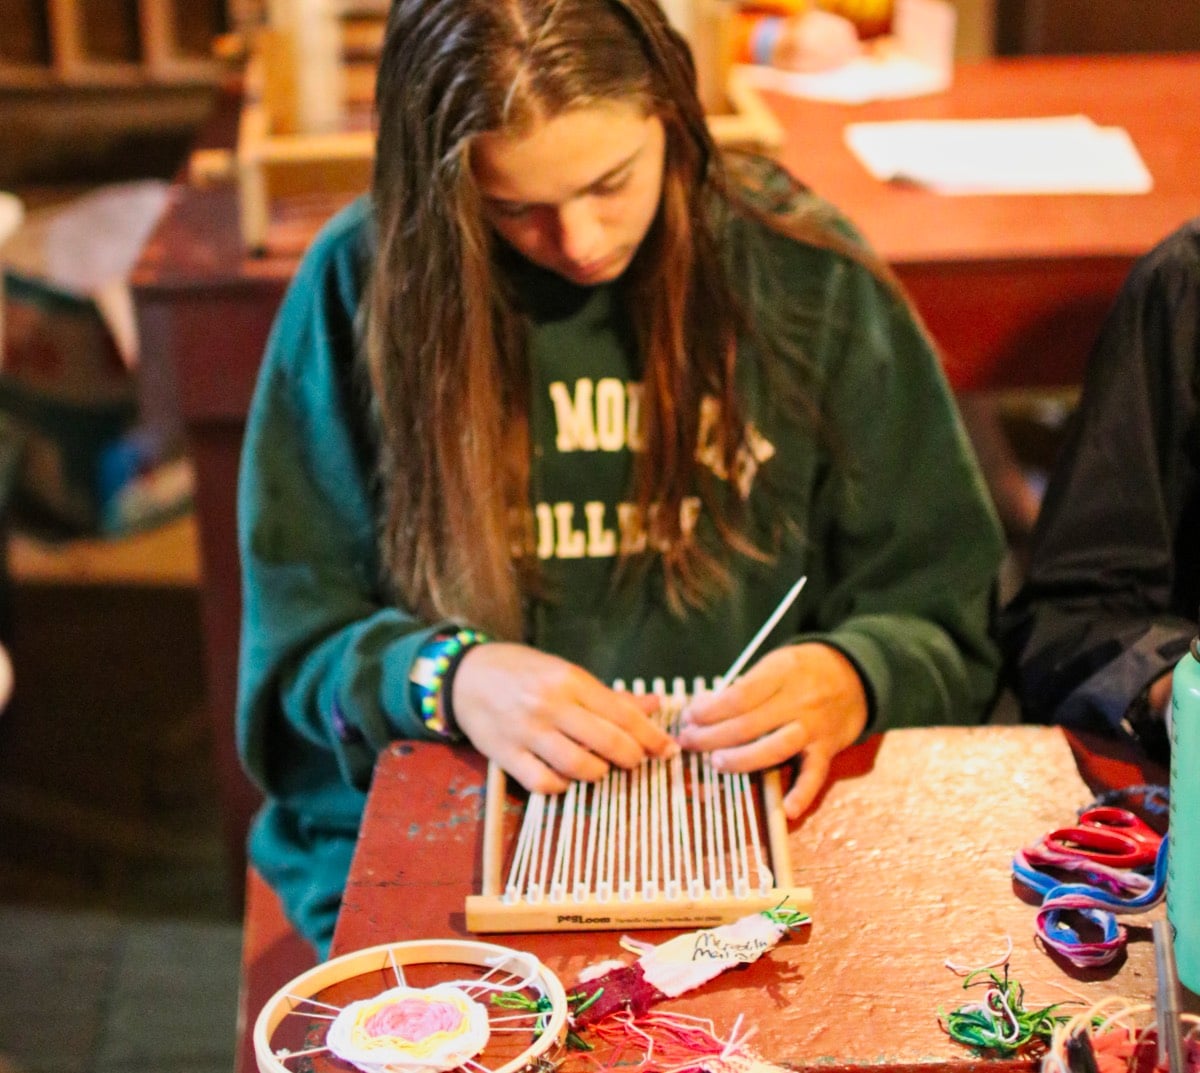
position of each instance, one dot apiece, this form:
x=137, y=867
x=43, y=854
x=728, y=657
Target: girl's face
x=577, y=193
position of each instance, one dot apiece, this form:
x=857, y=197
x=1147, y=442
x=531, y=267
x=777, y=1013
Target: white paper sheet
x=1053, y=155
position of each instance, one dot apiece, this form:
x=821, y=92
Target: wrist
x=1158, y=693
x=1145, y=719
x=431, y=679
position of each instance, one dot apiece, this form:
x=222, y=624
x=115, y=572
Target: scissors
x=1109, y=835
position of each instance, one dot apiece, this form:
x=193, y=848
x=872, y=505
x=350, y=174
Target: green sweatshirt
x=886, y=516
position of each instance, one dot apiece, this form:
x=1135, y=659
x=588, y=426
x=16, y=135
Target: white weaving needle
x=762, y=634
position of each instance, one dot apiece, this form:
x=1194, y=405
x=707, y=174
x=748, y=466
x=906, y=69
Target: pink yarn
x=413, y=1020
x=658, y=1043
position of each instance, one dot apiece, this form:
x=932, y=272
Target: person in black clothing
x=1111, y=596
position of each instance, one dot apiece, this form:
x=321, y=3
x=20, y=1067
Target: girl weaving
x=573, y=397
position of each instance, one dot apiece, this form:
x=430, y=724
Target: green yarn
x=999, y=1023
x=787, y=915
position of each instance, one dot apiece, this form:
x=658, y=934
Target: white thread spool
x=314, y=35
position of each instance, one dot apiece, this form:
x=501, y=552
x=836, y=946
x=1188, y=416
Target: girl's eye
x=612, y=186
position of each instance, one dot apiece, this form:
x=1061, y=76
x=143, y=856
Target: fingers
x=742, y=695
x=580, y=746
x=592, y=727
x=539, y=777
x=562, y=751
x=814, y=770
x=530, y=710
x=743, y=712
x=769, y=750
x=624, y=733
x=531, y=773
x=747, y=708
x=801, y=700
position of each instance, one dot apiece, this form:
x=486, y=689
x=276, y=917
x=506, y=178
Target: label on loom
x=678, y=965
x=689, y=960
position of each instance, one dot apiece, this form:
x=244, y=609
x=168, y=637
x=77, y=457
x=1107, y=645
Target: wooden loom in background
x=672, y=844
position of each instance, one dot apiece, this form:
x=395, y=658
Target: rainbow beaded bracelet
x=432, y=675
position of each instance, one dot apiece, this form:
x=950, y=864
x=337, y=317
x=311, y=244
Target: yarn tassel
x=675, y=1043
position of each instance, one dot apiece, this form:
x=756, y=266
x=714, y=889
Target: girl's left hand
x=804, y=700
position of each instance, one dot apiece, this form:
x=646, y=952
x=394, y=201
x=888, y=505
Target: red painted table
x=907, y=852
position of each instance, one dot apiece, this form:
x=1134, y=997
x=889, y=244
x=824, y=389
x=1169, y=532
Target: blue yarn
x=1064, y=933
x=1036, y=881
x=1114, y=901
x=1106, y=905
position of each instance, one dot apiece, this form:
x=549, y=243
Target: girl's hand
x=803, y=700
x=1159, y=693
x=546, y=721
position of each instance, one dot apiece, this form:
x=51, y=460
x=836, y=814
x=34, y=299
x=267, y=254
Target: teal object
x=1183, y=865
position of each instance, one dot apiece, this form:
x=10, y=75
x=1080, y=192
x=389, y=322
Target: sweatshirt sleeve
x=1108, y=601
x=325, y=658
x=910, y=545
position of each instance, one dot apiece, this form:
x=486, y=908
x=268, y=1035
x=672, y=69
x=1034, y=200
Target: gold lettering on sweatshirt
x=749, y=456
x=594, y=530
x=569, y=541
x=542, y=540
x=605, y=415
x=601, y=540
x=601, y=415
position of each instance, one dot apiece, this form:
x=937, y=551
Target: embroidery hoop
x=290, y=1000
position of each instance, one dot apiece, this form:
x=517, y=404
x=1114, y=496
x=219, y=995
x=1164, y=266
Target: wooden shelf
x=120, y=42
x=167, y=555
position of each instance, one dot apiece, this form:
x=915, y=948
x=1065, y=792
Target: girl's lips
x=594, y=271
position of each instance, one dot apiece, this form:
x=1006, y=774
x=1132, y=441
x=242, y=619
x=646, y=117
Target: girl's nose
x=580, y=234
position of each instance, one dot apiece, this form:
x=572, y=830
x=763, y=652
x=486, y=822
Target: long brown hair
x=445, y=346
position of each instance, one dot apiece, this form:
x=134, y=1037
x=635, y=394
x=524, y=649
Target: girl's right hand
x=548, y=722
